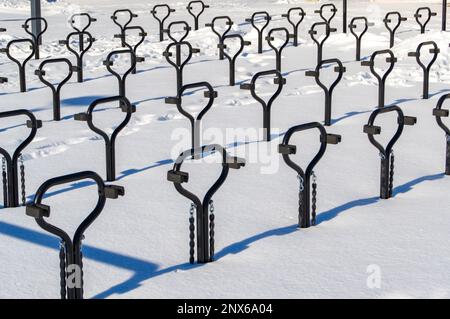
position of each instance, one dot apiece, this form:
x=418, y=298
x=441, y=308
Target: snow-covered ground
x=138, y=248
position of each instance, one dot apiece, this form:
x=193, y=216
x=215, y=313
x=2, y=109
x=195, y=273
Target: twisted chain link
x=22, y=180
x=192, y=233
x=314, y=199
x=5, y=183
x=211, y=230
x=300, y=197
x=62, y=267
x=391, y=174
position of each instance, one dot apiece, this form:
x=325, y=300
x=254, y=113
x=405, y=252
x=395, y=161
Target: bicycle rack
x=381, y=79
x=295, y=25
x=387, y=20
x=79, y=54
x=37, y=39
x=10, y=164
x=21, y=65
x=340, y=69
x=122, y=27
x=202, y=223
x=121, y=79
x=80, y=29
x=333, y=11
x=195, y=121
x=56, y=90
x=278, y=51
x=426, y=68
x=313, y=33
x=260, y=31
x=154, y=12
x=71, y=256
x=232, y=59
x=192, y=13
x=353, y=26
x=179, y=68
x=135, y=47
x=418, y=15
x=110, y=142
x=186, y=28
x=267, y=106
x=439, y=113
x=307, y=214
x=387, y=154
x=3, y=79
x=222, y=35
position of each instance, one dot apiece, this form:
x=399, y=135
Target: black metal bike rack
x=381, y=79
x=340, y=69
x=79, y=29
x=121, y=79
x=321, y=11
x=387, y=153
x=419, y=15
x=295, y=25
x=3, y=79
x=306, y=212
x=122, y=27
x=56, y=90
x=202, y=218
x=169, y=31
x=21, y=65
x=388, y=19
x=161, y=21
x=179, y=68
x=37, y=38
x=134, y=47
x=266, y=16
x=439, y=112
x=229, y=23
x=70, y=254
x=79, y=54
x=210, y=94
x=196, y=17
x=313, y=33
x=267, y=106
x=10, y=164
x=110, y=142
x=353, y=30
x=426, y=68
x=278, y=51
x=232, y=59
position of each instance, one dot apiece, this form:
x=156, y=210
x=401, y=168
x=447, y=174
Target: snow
x=138, y=247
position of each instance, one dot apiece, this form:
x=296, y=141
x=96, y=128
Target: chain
x=211, y=230
x=192, y=233
x=81, y=270
x=300, y=198
x=22, y=180
x=5, y=183
x=391, y=174
x=314, y=199
x=62, y=267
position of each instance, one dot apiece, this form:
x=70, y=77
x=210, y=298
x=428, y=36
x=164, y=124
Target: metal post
x=36, y=13
x=444, y=15
x=344, y=18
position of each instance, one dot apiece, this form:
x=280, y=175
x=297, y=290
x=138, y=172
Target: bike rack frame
x=37, y=39
x=186, y=28
x=278, y=51
x=161, y=21
x=232, y=59
x=333, y=11
x=313, y=33
x=353, y=26
x=135, y=47
x=21, y=65
x=387, y=20
x=295, y=25
x=418, y=15
x=81, y=30
x=439, y=112
x=114, y=17
x=196, y=16
x=252, y=21
x=121, y=79
x=221, y=36
x=426, y=68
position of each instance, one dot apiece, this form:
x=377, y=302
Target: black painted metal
x=3, y=79
x=81, y=29
x=287, y=150
x=134, y=47
x=110, y=142
x=381, y=78
x=162, y=20
x=196, y=17
x=344, y=16
x=295, y=25
x=229, y=23
x=278, y=50
x=122, y=27
x=56, y=89
x=121, y=79
x=353, y=30
x=20, y=65
x=37, y=38
x=73, y=246
x=313, y=33
x=444, y=15
x=33, y=124
x=333, y=10
x=267, y=106
x=232, y=59
x=388, y=20
x=419, y=15
x=439, y=112
x=328, y=91
x=386, y=152
x=172, y=37
x=253, y=20
x=79, y=54
x=426, y=68
x=179, y=178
